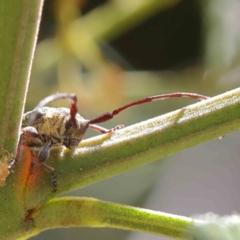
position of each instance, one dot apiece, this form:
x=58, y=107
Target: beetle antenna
x=57, y=96
x=109, y=115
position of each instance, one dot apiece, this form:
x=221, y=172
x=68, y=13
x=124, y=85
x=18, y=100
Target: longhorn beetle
x=46, y=127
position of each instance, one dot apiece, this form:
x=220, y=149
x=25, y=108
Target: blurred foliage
x=72, y=60
x=211, y=226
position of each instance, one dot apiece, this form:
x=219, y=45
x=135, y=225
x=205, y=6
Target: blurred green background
x=114, y=52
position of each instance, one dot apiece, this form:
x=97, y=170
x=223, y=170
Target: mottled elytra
x=45, y=128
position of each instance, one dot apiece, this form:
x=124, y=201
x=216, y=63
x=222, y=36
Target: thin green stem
x=72, y=212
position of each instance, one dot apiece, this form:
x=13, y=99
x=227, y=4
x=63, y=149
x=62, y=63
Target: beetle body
x=53, y=124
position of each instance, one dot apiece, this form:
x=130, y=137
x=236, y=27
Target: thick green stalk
x=19, y=23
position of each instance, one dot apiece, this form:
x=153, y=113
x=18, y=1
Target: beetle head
x=75, y=133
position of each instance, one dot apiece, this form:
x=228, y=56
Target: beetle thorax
x=53, y=123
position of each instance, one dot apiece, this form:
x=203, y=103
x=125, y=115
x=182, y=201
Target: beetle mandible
x=46, y=127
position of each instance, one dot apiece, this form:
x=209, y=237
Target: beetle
x=45, y=128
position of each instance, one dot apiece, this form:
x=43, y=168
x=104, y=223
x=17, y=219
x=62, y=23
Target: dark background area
x=171, y=39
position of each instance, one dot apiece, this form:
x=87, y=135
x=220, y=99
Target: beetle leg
x=53, y=176
x=44, y=152
x=43, y=155
x=29, y=137
x=105, y=130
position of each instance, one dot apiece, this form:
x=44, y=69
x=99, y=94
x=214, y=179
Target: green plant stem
x=107, y=155
x=19, y=23
x=89, y=212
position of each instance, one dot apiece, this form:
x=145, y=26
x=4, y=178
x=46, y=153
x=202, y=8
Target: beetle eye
x=68, y=125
